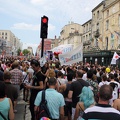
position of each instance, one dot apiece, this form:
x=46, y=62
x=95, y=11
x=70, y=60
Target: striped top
x=101, y=112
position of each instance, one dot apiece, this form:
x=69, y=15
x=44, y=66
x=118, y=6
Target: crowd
x=73, y=92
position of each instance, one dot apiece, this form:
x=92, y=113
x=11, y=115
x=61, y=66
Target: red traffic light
x=44, y=20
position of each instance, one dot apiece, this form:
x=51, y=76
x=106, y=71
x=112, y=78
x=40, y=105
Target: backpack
x=42, y=110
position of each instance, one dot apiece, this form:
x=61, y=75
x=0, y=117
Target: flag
x=115, y=57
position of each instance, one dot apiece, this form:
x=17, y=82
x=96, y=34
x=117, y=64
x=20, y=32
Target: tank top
x=65, y=93
x=4, y=108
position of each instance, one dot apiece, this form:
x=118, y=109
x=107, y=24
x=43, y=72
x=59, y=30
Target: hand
x=28, y=86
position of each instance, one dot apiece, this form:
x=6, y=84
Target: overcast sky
x=23, y=17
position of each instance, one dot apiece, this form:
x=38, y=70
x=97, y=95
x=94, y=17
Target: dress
x=4, y=108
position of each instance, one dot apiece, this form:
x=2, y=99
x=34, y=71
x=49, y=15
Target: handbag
x=23, y=84
x=3, y=116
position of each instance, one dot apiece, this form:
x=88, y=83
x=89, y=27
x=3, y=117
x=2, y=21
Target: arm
x=62, y=88
x=115, y=105
x=61, y=113
x=78, y=109
x=11, y=113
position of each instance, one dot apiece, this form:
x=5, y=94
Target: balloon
x=107, y=70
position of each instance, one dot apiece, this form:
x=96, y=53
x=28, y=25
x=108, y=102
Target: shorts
x=68, y=108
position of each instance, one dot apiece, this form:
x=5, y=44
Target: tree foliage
x=26, y=52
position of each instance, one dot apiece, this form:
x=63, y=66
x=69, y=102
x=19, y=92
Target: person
x=6, y=107
x=16, y=79
x=55, y=100
x=104, y=80
x=75, y=90
x=64, y=89
x=16, y=75
x=86, y=100
x=116, y=104
x=11, y=91
x=102, y=110
x=37, y=84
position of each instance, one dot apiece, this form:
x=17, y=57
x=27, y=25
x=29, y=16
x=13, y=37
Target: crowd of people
x=73, y=92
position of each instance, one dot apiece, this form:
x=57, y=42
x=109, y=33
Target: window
x=97, y=26
x=5, y=33
x=107, y=24
x=86, y=37
x=89, y=36
x=90, y=26
x=6, y=38
x=2, y=37
x=2, y=33
x=107, y=13
x=98, y=14
x=106, y=39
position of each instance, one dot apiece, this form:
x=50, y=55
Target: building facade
x=12, y=42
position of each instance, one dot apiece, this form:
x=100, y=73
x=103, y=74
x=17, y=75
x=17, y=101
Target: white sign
x=42, y=61
x=71, y=57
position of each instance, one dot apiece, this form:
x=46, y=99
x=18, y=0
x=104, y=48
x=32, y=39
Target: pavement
x=23, y=112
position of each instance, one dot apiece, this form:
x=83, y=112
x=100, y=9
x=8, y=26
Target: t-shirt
x=36, y=79
x=76, y=87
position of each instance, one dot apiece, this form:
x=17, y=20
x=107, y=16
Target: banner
x=71, y=57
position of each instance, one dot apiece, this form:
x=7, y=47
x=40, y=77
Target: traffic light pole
x=42, y=48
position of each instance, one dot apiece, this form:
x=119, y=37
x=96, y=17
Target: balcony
x=88, y=42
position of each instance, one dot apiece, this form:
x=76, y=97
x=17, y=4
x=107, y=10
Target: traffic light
x=44, y=27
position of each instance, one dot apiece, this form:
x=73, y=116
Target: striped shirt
x=101, y=112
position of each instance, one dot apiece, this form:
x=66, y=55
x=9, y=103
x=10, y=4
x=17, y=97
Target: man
x=37, y=84
x=55, y=100
x=102, y=110
x=11, y=91
x=16, y=78
x=16, y=75
x=75, y=90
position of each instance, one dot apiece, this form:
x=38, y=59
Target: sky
x=23, y=17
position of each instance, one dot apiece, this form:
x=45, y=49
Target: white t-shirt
x=103, y=83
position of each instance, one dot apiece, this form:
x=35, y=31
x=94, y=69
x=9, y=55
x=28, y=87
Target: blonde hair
x=51, y=73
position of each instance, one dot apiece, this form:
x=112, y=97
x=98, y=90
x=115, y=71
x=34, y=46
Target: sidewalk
x=23, y=112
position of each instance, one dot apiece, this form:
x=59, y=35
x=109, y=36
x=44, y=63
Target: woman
x=86, y=100
x=6, y=107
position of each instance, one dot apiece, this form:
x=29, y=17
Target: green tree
x=18, y=51
x=26, y=52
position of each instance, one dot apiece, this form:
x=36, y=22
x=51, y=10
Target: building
x=71, y=34
x=13, y=43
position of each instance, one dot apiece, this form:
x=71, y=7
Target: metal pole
x=42, y=47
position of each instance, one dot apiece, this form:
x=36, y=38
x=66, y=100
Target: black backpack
x=43, y=110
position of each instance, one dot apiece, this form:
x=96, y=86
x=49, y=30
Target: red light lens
x=44, y=20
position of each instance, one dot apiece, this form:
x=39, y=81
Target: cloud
x=33, y=45
x=25, y=26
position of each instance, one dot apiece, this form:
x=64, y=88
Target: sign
x=71, y=57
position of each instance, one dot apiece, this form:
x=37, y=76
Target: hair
x=89, y=74
x=2, y=89
x=51, y=73
x=105, y=92
x=59, y=74
x=7, y=75
x=86, y=96
x=70, y=76
x=111, y=76
x=35, y=62
x=52, y=81
x=104, y=77
x=15, y=64
x=79, y=74
x=113, y=85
